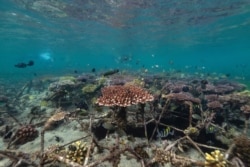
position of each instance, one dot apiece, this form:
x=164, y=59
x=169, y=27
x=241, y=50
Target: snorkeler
x=24, y=65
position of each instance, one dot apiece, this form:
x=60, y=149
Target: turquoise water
x=158, y=35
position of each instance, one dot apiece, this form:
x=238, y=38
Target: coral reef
x=121, y=123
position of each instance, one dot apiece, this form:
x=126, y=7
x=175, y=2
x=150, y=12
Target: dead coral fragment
x=54, y=119
x=215, y=159
x=123, y=96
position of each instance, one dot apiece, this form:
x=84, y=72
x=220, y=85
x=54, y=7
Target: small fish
x=111, y=72
x=196, y=116
x=165, y=132
x=210, y=143
x=82, y=105
x=108, y=125
x=93, y=70
x=210, y=129
x=195, y=81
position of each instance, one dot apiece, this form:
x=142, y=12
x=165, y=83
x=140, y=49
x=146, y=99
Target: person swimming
x=24, y=65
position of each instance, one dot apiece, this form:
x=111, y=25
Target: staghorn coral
x=215, y=159
x=123, y=96
x=163, y=157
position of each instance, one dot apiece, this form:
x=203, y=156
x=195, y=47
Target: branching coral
x=163, y=157
x=77, y=151
x=215, y=159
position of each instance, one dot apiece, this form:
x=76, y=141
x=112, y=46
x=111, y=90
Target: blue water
x=158, y=35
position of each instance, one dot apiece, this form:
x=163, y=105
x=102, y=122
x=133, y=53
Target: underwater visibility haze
x=158, y=82
x=183, y=35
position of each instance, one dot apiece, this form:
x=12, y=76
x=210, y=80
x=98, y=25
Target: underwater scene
x=125, y=83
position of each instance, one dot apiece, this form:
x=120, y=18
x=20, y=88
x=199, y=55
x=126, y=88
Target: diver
x=24, y=65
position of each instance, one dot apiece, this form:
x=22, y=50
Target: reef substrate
x=125, y=119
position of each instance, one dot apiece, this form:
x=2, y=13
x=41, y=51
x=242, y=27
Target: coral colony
x=135, y=119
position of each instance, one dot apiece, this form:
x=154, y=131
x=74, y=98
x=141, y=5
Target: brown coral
x=123, y=96
x=55, y=119
x=211, y=97
x=182, y=97
x=25, y=134
x=245, y=109
x=214, y=105
x=242, y=148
